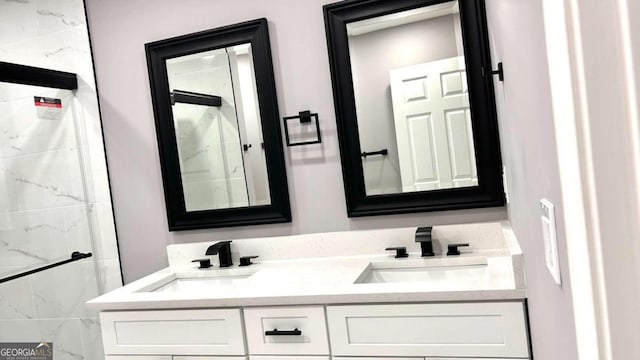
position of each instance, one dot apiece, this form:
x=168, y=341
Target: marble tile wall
x=54, y=193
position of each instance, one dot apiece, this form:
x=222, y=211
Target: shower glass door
x=45, y=215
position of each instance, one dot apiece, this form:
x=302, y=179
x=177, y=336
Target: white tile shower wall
x=43, y=178
x=54, y=193
x=53, y=34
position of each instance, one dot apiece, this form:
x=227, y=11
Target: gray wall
x=370, y=63
x=529, y=154
x=302, y=82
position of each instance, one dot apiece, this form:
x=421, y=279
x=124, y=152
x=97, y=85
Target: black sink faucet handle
x=246, y=260
x=204, y=263
x=401, y=251
x=452, y=249
x=223, y=250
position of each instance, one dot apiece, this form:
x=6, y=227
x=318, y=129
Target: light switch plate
x=548, y=219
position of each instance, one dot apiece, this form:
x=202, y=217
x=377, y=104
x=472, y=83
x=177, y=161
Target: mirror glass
x=217, y=127
x=412, y=102
x=415, y=105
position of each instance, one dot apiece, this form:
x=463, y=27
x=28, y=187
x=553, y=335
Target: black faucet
x=223, y=250
x=423, y=236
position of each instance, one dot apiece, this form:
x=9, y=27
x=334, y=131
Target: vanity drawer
x=289, y=358
x=311, y=338
x=383, y=358
x=414, y=358
x=173, y=332
x=460, y=329
x=138, y=357
x=209, y=358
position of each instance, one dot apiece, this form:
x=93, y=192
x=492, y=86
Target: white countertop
x=327, y=280
x=305, y=269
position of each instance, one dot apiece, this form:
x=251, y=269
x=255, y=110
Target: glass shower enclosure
x=48, y=228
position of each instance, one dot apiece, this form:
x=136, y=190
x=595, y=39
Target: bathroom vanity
x=328, y=296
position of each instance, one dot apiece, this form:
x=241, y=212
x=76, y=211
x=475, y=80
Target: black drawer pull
x=277, y=332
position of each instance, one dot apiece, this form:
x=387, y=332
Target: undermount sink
x=203, y=282
x=423, y=270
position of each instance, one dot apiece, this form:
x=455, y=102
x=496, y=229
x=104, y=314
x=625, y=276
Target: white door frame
x=595, y=104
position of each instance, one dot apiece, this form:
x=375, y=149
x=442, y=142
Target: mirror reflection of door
x=433, y=125
x=411, y=99
x=222, y=162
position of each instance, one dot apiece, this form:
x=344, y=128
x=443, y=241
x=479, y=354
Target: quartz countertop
x=327, y=280
x=305, y=269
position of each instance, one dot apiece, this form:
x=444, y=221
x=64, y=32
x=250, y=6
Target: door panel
x=460, y=141
x=421, y=141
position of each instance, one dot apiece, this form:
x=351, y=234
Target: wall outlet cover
x=548, y=219
x=504, y=184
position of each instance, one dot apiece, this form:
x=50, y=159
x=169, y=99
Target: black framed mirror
x=415, y=106
x=217, y=124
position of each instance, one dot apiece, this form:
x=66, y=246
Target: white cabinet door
x=288, y=357
x=439, y=358
x=137, y=357
x=208, y=358
x=381, y=358
x=414, y=358
x=173, y=332
x=433, y=125
x=485, y=329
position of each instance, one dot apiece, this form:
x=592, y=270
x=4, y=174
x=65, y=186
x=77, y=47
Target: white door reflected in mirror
x=433, y=125
x=222, y=161
x=411, y=99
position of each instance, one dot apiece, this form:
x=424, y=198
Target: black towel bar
x=382, y=152
x=75, y=256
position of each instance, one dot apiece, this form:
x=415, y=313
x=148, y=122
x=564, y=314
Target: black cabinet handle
x=276, y=332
